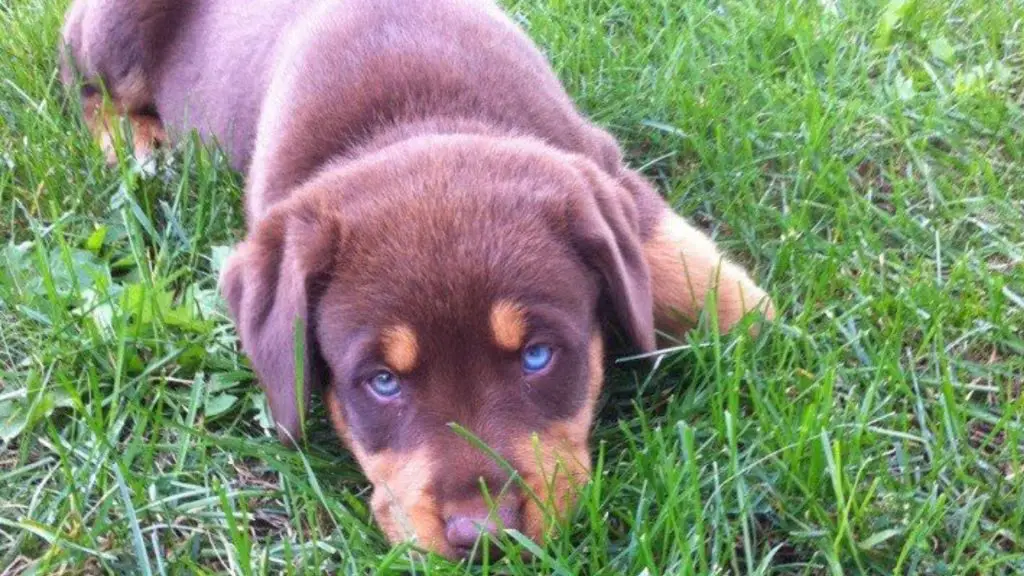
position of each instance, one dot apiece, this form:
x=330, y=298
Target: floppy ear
x=604, y=226
x=271, y=283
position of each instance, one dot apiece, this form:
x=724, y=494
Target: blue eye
x=384, y=384
x=537, y=357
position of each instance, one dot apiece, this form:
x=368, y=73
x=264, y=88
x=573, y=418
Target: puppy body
x=287, y=86
x=423, y=196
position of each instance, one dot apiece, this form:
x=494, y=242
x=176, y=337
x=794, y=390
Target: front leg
x=103, y=117
x=685, y=267
x=102, y=48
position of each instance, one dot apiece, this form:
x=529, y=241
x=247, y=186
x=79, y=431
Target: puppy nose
x=463, y=530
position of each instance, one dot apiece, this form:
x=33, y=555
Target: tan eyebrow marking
x=508, y=325
x=400, y=347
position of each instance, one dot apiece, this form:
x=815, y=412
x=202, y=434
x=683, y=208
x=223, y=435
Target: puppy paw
x=686, y=268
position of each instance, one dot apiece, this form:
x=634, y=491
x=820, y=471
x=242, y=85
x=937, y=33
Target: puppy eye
x=384, y=384
x=536, y=357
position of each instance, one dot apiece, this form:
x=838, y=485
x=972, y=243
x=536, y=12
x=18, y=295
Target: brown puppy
x=426, y=203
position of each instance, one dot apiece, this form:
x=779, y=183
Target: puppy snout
x=463, y=529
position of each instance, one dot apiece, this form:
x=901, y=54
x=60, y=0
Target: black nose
x=463, y=530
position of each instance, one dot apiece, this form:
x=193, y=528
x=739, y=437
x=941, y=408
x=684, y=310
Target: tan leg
x=146, y=131
x=685, y=267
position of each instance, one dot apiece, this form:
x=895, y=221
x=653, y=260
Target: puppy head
x=447, y=280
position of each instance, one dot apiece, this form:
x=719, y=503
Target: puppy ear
x=271, y=283
x=605, y=230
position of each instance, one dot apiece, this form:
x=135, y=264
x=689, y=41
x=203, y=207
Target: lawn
x=863, y=157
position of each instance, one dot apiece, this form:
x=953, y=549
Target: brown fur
x=422, y=196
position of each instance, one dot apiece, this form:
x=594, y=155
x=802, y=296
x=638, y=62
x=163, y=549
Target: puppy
x=429, y=212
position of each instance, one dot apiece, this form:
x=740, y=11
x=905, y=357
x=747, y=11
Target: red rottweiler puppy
x=426, y=202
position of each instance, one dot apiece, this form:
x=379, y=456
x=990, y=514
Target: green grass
x=864, y=157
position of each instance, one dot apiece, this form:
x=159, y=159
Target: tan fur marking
x=508, y=325
x=685, y=267
x=103, y=119
x=596, y=364
x=337, y=416
x=401, y=503
x=147, y=135
x=400, y=348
